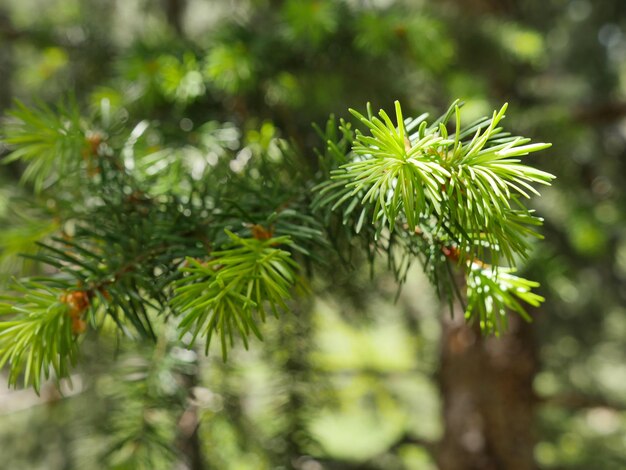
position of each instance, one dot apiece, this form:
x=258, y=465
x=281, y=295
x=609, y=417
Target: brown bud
x=78, y=325
x=261, y=233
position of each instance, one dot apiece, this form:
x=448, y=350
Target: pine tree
x=215, y=245
x=159, y=238
x=544, y=394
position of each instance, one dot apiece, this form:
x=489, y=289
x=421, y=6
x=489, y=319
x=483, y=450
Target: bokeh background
x=351, y=379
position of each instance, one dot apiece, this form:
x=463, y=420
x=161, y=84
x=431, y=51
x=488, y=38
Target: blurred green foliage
x=350, y=379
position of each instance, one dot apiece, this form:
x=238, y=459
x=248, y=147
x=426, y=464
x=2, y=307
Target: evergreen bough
x=212, y=245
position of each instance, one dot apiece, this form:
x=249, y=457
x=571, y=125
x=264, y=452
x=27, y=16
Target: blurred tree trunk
x=174, y=10
x=486, y=387
x=296, y=336
x=7, y=35
x=188, y=440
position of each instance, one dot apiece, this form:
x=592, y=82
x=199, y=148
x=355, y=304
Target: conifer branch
x=404, y=188
x=49, y=140
x=459, y=192
x=222, y=295
x=38, y=334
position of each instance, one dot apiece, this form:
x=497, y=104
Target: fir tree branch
x=222, y=295
x=39, y=336
x=404, y=188
x=49, y=140
x=461, y=193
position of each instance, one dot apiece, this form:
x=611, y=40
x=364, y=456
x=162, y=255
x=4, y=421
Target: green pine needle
x=230, y=292
x=36, y=338
x=459, y=190
x=491, y=292
x=49, y=140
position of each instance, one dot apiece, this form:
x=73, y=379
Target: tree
x=264, y=71
x=150, y=236
x=214, y=246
